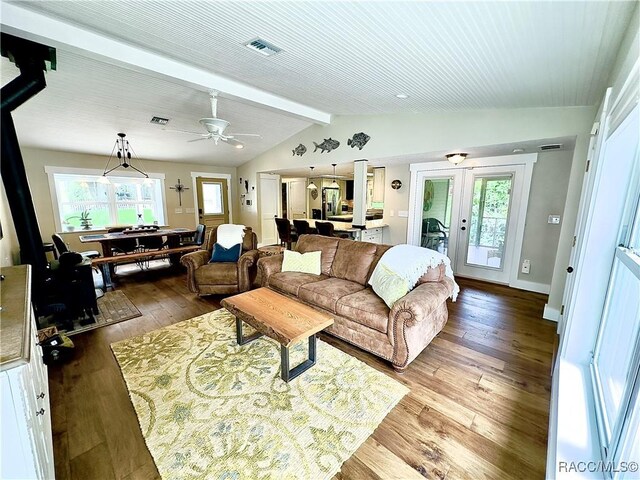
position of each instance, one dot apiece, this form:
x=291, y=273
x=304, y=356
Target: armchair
x=206, y=278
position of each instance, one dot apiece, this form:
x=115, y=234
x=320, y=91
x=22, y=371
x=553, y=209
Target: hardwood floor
x=478, y=406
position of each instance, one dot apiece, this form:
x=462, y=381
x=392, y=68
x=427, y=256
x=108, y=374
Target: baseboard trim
x=531, y=286
x=550, y=313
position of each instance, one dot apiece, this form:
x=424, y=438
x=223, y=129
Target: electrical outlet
x=554, y=219
x=526, y=266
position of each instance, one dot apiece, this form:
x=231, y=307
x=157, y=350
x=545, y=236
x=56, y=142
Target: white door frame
x=194, y=187
x=528, y=160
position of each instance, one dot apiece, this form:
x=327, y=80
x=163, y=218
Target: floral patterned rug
x=211, y=409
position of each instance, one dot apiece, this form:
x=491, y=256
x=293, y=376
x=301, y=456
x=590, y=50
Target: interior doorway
x=269, y=205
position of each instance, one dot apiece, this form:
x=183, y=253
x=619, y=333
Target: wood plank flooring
x=478, y=407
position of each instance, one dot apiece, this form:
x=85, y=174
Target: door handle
x=464, y=220
x=569, y=269
x=463, y=228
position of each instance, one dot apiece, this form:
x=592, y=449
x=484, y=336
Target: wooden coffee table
x=282, y=318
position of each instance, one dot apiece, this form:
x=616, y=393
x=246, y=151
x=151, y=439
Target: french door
x=471, y=215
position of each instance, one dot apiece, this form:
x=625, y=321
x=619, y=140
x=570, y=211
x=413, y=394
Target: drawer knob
x=40, y=412
x=41, y=395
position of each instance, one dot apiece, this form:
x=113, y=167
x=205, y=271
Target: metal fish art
x=327, y=145
x=358, y=140
x=299, y=150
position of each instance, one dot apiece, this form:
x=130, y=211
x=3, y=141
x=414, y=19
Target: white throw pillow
x=301, y=262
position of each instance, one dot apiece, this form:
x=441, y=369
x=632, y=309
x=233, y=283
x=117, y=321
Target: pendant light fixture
x=311, y=186
x=334, y=184
x=125, y=157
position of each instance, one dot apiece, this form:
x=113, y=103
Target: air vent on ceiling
x=159, y=120
x=263, y=47
x=551, y=146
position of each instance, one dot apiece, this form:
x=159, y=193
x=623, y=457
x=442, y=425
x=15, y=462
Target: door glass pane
x=621, y=324
x=212, y=198
x=488, y=222
x=436, y=214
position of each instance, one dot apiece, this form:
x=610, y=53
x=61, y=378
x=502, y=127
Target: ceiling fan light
x=456, y=158
x=239, y=145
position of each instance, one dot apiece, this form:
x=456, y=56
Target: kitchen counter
x=347, y=226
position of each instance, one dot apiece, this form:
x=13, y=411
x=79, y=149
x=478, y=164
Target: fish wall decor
x=299, y=150
x=327, y=145
x=358, y=140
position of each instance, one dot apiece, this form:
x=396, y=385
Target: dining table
x=106, y=239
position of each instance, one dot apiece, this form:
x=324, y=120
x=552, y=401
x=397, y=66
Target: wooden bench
x=104, y=262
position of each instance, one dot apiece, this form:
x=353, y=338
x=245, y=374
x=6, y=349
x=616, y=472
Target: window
x=90, y=202
x=616, y=359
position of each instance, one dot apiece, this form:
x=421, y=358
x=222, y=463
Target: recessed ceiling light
x=518, y=150
x=240, y=145
x=402, y=95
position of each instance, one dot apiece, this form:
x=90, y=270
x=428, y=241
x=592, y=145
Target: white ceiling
x=354, y=57
x=338, y=57
x=87, y=102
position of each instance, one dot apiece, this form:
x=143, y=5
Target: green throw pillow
x=301, y=262
x=387, y=285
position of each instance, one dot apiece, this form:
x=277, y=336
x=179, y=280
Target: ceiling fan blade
x=231, y=141
x=205, y=137
x=245, y=135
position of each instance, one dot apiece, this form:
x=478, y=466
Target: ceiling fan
x=216, y=128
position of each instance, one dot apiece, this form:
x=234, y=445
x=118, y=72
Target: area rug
x=211, y=409
x=114, y=306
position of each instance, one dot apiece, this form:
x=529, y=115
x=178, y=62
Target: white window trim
x=226, y=176
x=528, y=160
x=52, y=170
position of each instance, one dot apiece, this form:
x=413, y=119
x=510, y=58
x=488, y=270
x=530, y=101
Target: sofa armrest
x=420, y=302
x=193, y=261
x=268, y=266
x=415, y=319
x=247, y=270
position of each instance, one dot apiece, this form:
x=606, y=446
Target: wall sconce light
x=456, y=158
x=396, y=184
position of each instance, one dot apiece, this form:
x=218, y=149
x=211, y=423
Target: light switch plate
x=554, y=219
x=191, y=210
x=178, y=210
x=403, y=213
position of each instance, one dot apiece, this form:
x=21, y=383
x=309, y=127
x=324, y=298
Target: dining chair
x=327, y=229
x=198, y=237
x=287, y=237
x=62, y=247
x=303, y=228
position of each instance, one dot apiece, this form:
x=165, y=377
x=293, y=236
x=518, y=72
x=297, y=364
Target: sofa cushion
x=365, y=308
x=313, y=243
x=217, y=274
x=353, y=261
x=326, y=293
x=309, y=262
x=290, y=282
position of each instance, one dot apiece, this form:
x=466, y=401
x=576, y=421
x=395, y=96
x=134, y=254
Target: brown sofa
x=361, y=317
x=206, y=278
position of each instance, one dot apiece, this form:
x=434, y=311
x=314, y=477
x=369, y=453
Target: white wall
x=9, y=250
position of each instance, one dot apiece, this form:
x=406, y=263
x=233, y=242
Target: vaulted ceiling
x=346, y=58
